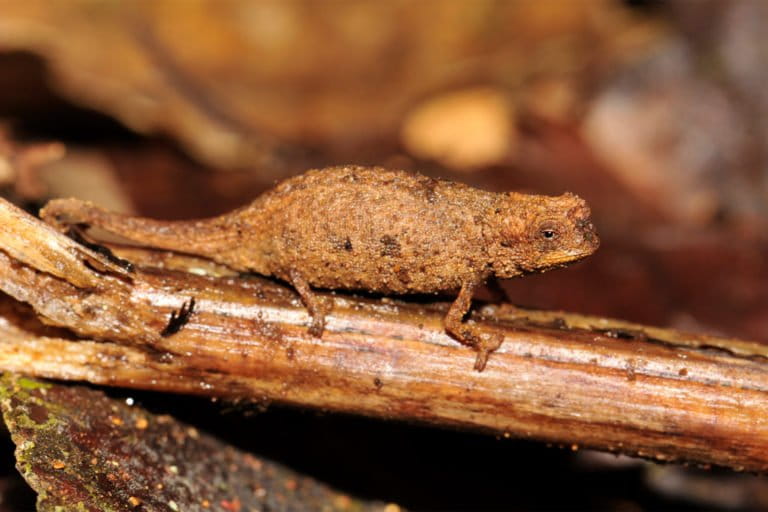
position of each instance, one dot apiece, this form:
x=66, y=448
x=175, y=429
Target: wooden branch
x=558, y=377
x=81, y=450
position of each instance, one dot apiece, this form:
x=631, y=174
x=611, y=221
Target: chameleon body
x=359, y=228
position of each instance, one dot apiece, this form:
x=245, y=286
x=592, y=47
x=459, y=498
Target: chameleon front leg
x=481, y=340
x=312, y=302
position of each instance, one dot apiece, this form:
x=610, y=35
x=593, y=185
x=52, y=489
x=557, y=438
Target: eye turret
x=548, y=231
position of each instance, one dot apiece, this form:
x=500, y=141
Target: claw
x=482, y=359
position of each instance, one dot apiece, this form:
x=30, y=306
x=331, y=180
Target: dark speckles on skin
x=403, y=275
x=377, y=382
x=390, y=246
x=341, y=243
x=296, y=185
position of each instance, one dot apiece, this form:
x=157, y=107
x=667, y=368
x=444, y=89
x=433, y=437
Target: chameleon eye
x=548, y=234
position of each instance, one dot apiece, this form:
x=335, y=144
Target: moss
x=31, y=384
x=81, y=450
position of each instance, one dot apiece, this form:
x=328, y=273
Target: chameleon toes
x=486, y=343
x=318, y=323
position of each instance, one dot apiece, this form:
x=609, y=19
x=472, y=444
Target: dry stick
x=557, y=377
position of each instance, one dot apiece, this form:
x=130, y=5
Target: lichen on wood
x=81, y=450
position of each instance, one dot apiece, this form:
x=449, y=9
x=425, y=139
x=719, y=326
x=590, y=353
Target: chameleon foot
x=487, y=343
x=318, y=322
x=483, y=341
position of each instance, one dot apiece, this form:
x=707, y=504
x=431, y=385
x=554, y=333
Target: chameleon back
x=367, y=228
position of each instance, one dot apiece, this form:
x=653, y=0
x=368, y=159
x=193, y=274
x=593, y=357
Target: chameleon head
x=538, y=233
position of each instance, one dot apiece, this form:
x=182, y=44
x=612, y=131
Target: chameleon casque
x=373, y=229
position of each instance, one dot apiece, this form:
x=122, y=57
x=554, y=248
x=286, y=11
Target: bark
x=559, y=377
x=81, y=450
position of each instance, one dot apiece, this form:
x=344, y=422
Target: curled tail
x=205, y=237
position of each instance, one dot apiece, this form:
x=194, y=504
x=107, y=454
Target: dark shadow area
x=15, y=494
x=36, y=112
x=417, y=466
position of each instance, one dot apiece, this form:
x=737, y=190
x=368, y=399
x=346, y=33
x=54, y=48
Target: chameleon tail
x=204, y=237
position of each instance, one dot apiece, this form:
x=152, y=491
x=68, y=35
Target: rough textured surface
x=376, y=230
x=81, y=450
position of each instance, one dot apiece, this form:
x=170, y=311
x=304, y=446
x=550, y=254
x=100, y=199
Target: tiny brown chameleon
x=373, y=229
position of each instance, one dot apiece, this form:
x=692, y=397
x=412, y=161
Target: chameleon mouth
x=583, y=253
x=562, y=259
x=566, y=259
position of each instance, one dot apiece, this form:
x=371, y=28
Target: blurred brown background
x=655, y=112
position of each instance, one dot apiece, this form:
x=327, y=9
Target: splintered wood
x=558, y=377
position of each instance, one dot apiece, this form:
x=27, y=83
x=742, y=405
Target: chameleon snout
x=588, y=234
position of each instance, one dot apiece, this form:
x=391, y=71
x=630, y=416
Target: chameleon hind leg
x=313, y=303
x=483, y=341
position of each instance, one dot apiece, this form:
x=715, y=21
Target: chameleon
x=373, y=229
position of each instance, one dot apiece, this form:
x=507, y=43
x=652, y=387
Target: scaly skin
x=358, y=228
